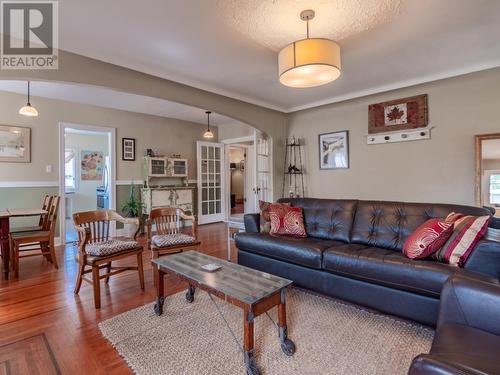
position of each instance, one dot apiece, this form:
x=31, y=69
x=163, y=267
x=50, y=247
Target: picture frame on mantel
x=334, y=150
x=15, y=144
x=128, y=149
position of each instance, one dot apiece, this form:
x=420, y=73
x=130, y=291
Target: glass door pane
x=210, y=181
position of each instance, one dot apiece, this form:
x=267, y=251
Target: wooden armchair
x=169, y=238
x=37, y=239
x=96, y=250
x=43, y=222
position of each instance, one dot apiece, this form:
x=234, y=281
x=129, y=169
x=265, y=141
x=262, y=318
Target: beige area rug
x=331, y=338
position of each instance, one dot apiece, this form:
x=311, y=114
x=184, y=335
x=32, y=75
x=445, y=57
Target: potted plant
x=132, y=208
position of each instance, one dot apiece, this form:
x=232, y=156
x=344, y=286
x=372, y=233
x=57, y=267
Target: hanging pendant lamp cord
x=307, y=27
x=28, y=92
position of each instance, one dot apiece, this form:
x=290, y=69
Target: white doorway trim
x=112, y=162
x=248, y=181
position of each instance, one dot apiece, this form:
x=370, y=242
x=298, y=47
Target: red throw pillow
x=427, y=239
x=265, y=219
x=286, y=221
x=467, y=231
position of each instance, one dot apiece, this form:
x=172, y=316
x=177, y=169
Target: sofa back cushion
x=329, y=219
x=389, y=224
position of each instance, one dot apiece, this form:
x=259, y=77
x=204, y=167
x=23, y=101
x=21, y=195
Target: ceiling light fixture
x=208, y=133
x=309, y=62
x=28, y=109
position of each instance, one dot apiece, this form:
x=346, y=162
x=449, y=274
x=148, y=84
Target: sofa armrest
x=426, y=364
x=470, y=302
x=252, y=223
x=486, y=256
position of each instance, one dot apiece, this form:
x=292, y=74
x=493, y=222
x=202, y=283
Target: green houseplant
x=132, y=208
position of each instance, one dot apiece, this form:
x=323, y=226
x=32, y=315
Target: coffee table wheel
x=158, y=307
x=288, y=347
x=252, y=369
x=190, y=294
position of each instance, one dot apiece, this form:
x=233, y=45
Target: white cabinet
x=180, y=197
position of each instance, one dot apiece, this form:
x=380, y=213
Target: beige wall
x=79, y=69
x=236, y=130
x=437, y=170
x=167, y=135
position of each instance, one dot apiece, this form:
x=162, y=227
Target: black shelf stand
x=293, y=171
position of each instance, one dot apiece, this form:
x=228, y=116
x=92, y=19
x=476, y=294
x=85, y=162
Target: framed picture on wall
x=15, y=144
x=334, y=150
x=128, y=149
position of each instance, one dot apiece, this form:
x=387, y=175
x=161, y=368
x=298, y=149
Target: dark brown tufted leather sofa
x=354, y=252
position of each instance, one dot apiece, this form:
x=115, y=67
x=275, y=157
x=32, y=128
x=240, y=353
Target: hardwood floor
x=46, y=329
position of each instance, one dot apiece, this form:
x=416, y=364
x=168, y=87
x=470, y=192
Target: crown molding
x=397, y=85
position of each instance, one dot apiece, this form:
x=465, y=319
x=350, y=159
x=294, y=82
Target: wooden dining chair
x=32, y=241
x=42, y=222
x=169, y=238
x=97, y=250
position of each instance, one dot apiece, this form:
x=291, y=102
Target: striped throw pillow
x=467, y=231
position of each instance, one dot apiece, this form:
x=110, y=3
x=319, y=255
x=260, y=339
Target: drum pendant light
x=28, y=109
x=309, y=62
x=208, y=133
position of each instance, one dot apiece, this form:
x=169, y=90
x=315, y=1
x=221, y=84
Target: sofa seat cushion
x=467, y=348
x=303, y=251
x=389, y=268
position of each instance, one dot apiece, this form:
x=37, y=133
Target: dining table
x=5, y=216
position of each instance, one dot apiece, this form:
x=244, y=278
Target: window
x=69, y=170
x=495, y=188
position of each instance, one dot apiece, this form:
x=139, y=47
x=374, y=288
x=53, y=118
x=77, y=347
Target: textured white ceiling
x=276, y=23
x=195, y=42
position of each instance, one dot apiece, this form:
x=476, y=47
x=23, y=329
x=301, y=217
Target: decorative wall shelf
x=400, y=136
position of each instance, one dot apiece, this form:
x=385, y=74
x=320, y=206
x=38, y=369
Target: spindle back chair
x=93, y=227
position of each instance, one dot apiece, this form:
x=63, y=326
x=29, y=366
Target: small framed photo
x=334, y=150
x=128, y=149
x=15, y=144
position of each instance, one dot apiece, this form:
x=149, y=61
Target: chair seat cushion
x=109, y=247
x=167, y=240
x=389, y=268
x=303, y=251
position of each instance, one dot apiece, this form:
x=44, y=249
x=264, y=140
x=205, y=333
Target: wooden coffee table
x=253, y=291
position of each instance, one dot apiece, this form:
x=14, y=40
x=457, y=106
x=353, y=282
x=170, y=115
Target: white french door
x=211, y=182
x=263, y=189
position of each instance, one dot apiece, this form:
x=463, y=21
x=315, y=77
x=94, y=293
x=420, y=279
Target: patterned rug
x=331, y=338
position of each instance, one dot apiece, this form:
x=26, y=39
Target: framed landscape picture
x=334, y=150
x=15, y=144
x=128, y=149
